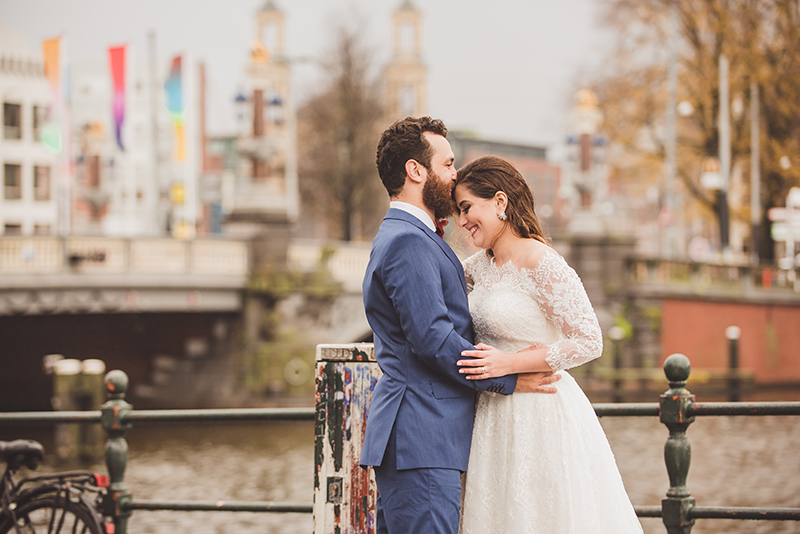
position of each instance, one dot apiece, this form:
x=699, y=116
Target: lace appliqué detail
x=563, y=319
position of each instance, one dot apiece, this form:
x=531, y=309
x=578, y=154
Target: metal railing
x=117, y=416
x=676, y=408
x=708, y=276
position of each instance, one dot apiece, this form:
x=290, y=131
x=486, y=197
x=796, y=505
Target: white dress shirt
x=415, y=211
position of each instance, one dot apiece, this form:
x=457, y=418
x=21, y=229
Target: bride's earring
x=501, y=215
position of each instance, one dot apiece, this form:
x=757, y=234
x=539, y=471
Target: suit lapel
x=394, y=213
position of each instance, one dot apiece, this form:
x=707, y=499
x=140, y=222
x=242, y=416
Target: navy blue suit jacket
x=416, y=303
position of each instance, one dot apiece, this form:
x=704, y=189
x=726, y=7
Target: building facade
x=119, y=190
x=29, y=201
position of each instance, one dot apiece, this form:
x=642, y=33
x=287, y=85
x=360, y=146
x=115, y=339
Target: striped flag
x=174, y=93
x=116, y=56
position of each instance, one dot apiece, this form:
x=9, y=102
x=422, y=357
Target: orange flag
x=51, y=60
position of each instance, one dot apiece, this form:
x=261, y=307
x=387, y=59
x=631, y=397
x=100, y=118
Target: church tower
x=269, y=75
x=266, y=192
x=269, y=143
x=405, y=77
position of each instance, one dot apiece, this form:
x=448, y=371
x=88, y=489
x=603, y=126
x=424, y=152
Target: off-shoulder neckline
x=491, y=259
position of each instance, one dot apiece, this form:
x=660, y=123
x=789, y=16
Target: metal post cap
x=67, y=367
x=677, y=367
x=733, y=332
x=616, y=333
x=116, y=382
x=93, y=367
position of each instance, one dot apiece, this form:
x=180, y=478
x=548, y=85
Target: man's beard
x=436, y=195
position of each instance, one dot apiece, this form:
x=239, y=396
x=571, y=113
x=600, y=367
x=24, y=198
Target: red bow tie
x=439, y=230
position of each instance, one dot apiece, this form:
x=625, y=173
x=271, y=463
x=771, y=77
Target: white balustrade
x=103, y=255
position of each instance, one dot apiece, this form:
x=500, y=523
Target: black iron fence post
x=116, y=503
x=675, y=405
x=617, y=334
x=733, y=333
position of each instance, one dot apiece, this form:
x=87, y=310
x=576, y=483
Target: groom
x=420, y=421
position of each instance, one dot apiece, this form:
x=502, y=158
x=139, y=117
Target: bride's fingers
x=477, y=354
x=474, y=369
x=472, y=362
x=479, y=370
x=483, y=346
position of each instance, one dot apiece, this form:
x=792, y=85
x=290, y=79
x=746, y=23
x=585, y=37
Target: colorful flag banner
x=116, y=56
x=50, y=132
x=174, y=97
x=52, y=66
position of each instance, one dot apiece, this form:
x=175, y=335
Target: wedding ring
x=483, y=370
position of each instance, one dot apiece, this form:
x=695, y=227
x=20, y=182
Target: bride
x=538, y=463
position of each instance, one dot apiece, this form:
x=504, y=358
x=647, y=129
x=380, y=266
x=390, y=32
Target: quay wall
x=768, y=346
x=153, y=348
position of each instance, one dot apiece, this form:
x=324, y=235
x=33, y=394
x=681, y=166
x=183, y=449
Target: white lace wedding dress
x=540, y=463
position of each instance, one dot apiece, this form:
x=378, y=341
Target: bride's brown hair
x=485, y=176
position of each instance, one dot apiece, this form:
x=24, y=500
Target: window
x=407, y=37
x=41, y=182
x=408, y=101
x=270, y=37
x=12, y=121
x=91, y=177
x=40, y=116
x=12, y=229
x=12, y=181
x=42, y=229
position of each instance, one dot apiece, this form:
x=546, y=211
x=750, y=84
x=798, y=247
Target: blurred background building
x=116, y=190
x=29, y=203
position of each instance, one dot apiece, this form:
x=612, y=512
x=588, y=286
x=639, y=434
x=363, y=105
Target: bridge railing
x=709, y=275
x=346, y=261
x=108, y=255
x=345, y=494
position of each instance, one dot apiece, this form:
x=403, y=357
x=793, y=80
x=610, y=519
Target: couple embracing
x=535, y=456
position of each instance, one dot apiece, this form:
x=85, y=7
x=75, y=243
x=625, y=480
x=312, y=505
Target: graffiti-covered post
x=344, y=493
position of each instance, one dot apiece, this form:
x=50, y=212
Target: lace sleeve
x=469, y=266
x=563, y=299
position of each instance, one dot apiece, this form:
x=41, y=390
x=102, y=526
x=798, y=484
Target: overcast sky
x=505, y=69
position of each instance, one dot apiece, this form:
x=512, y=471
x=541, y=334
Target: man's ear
x=414, y=171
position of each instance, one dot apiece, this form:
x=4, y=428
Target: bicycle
x=58, y=503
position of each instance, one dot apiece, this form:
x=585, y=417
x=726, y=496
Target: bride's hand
x=486, y=362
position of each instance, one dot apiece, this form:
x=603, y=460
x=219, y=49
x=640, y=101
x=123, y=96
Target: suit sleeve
x=412, y=280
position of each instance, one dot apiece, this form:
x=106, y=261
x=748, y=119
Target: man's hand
x=536, y=382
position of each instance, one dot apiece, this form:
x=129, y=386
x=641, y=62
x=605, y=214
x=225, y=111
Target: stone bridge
x=170, y=312
x=178, y=315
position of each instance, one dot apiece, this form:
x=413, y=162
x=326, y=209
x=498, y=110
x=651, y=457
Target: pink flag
x=116, y=56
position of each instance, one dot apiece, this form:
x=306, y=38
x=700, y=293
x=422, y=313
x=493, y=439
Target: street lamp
x=242, y=107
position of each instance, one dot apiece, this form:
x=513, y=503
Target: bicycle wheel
x=54, y=515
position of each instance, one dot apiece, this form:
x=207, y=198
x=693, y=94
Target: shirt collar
x=415, y=211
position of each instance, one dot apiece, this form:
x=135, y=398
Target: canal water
x=736, y=461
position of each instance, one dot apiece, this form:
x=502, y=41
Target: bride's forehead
x=462, y=193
